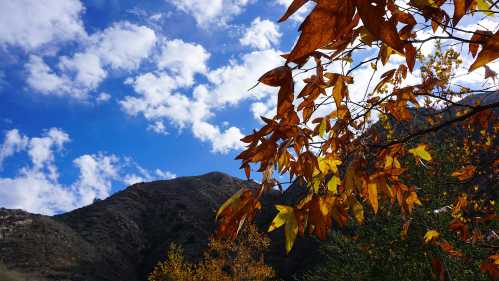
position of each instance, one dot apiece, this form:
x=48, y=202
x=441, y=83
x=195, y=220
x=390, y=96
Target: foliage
x=323, y=135
x=240, y=260
x=383, y=250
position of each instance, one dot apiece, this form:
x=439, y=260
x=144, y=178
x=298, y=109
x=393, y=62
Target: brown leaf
x=276, y=77
x=410, y=56
x=478, y=38
x=295, y=6
x=460, y=8
x=372, y=13
x=322, y=26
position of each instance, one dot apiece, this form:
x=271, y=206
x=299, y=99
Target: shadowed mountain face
x=119, y=238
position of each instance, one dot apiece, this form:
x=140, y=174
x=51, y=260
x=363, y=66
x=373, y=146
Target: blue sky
x=99, y=94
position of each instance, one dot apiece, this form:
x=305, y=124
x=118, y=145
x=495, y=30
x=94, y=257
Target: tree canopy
x=351, y=147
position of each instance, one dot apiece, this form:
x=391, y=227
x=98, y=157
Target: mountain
x=122, y=237
x=119, y=238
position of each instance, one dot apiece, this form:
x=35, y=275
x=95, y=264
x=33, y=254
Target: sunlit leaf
x=431, y=235
x=421, y=152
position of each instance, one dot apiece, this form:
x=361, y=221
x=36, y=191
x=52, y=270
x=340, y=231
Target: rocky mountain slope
x=119, y=238
x=122, y=237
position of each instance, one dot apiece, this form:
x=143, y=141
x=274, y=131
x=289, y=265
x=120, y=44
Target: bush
x=224, y=260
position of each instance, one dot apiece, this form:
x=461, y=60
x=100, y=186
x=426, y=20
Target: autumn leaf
x=295, y=6
x=286, y=217
x=358, y=210
x=460, y=8
x=479, y=37
x=333, y=183
x=372, y=189
x=322, y=26
x=489, y=52
x=421, y=152
x=464, y=173
x=372, y=14
x=431, y=235
x=484, y=6
x=232, y=200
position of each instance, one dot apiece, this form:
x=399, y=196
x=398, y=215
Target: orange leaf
x=489, y=52
x=464, y=173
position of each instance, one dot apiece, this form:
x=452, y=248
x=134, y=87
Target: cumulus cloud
x=183, y=60
x=158, y=97
x=211, y=11
x=30, y=24
x=261, y=34
x=123, y=46
x=36, y=187
x=14, y=142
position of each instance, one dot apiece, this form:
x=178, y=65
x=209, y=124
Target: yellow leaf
x=316, y=183
x=484, y=6
x=431, y=235
x=286, y=217
x=328, y=164
x=338, y=88
x=323, y=165
x=421, y=152
x=358, y=210
x=333, y=183
x=391, y=163
x=322, y=128
x=373, y=195
x=280, y=218
x=290, y=231
x=349, y=179
x=231, y=201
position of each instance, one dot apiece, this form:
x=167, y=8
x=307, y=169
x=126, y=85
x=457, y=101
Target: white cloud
x=41, y=149
x=158, y=98
x=103, y=97
x=183, y=60
x=222, y=142
x=33, y=23
x=96, y=175
x=262, y=34
x=123, y=46
x=42, y=79
x=158, y=127
x=230, y=83
x=14, y=142
x=36, y=188
x=210, y=11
